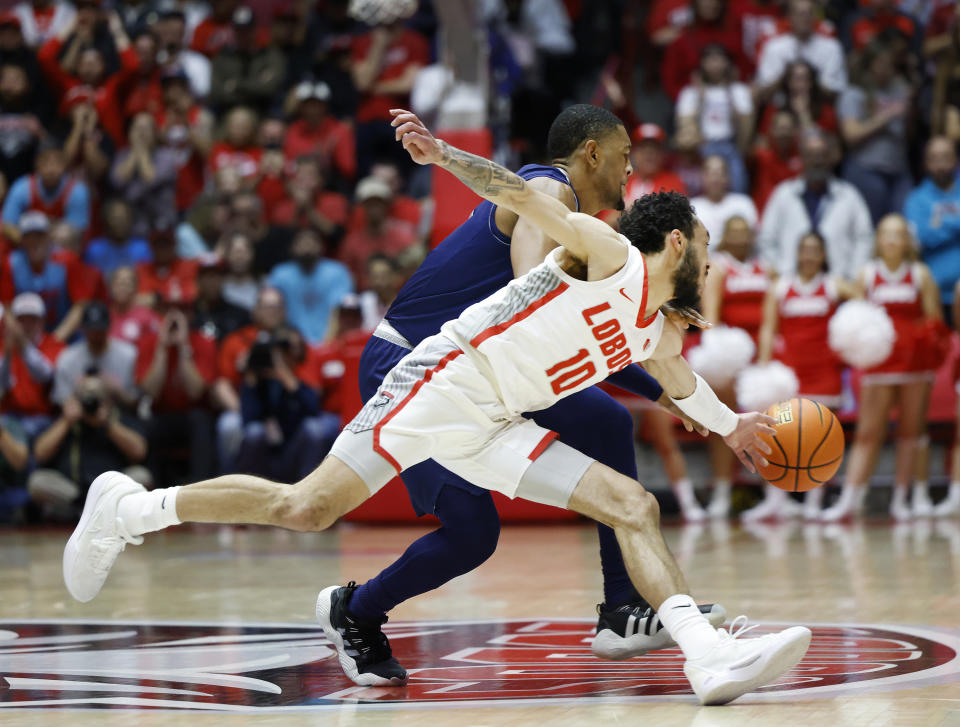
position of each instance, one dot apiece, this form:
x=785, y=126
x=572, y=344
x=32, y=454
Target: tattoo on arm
x=486, y=178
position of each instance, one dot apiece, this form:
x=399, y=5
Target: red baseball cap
x=9, y=18
x=649, y=132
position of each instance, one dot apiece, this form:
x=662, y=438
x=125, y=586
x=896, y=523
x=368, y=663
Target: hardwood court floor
x=525, y=617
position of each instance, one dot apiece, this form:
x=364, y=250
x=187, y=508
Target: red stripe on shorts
x=529, y=310
x=544, y=443
x=416, y=387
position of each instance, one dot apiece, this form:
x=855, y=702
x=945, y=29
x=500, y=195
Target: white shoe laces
x=104, y=551
x=738, y=627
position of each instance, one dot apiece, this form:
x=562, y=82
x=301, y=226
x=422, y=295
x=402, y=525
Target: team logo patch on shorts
x=383, y=399
x=259, y=667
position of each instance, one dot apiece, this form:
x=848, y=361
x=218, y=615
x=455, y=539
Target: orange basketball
x=807, y=448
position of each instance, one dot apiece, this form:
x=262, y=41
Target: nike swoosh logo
x=625, y=295
x=163, y=503
x=686, y=605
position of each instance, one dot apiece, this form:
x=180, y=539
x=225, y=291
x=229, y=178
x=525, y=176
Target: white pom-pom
x=760, y=386
x=861, y=333
x=723, y=352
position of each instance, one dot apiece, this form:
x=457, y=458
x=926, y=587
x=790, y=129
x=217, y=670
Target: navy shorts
x=590, y=421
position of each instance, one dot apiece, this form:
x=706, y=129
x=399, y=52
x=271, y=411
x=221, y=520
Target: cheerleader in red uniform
x=796, y=315
x=895, y=280
x=733, y=295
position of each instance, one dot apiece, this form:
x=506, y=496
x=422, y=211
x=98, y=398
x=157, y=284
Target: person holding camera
x=90, y=436
x=285, y=435
x=175, y=368
x=26, y=364
x=113, y=358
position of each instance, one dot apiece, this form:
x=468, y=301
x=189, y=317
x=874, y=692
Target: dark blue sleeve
x=637, y=381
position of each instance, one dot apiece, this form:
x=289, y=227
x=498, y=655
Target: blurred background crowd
x=204, y=213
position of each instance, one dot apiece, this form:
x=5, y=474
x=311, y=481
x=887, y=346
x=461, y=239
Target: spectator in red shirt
x=168, y=277
x=89, y=71
x=273, y=164
x=381, y=234
x=316, y=132
x=129, y=321
x=239, y=149
x=175, y=368
x=712, y=24
x=777, y=160
x=649, y=172
x=308, y=204
x=878, y=16
x=402, y=207
x=215, y=31
x=667, y=19
x=186, y=128
x=27, y=364
x=144, y=91
x=385, y=62
x=800, y=93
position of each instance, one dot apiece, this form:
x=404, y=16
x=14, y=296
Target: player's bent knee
x=297, y=511
x=628, y=504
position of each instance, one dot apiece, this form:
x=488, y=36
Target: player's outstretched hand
x=744, y=441
x=684, y=317
x=415, y=137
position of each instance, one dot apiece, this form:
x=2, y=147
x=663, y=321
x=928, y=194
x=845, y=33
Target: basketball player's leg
x=593, y=423
x=468, y=536
x=875, y=403
x=719, y=668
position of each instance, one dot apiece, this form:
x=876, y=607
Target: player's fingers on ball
x=742, y=456
x=762, y=446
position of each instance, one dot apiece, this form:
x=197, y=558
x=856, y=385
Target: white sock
x=954, y=492
x=899, y=496
x=688, y=627
x=145, y=512
x=684, y=491
x=921, y=486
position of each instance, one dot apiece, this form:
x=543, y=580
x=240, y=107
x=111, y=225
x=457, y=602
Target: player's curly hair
x=648, y=221
x=574, y=125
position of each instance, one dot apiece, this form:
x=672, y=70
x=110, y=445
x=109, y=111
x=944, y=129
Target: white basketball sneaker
x=736, y=666
x=99, y=536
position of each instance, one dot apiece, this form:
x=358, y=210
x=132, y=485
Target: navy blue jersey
x=471, y=264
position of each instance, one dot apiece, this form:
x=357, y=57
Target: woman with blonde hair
x=904, y=287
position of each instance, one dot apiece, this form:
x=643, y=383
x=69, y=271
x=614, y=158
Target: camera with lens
x=90, y=399
x=261, y=353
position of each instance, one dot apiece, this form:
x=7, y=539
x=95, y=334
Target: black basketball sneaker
x=364, y=651
x=634, y=629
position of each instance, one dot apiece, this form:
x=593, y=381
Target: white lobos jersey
x=547, y=335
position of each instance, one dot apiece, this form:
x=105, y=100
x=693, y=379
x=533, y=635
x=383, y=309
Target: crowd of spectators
x=204, y=212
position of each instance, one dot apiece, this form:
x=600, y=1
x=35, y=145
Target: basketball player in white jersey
x=590, y=308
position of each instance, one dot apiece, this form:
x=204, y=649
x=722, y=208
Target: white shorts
x=435, y=404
